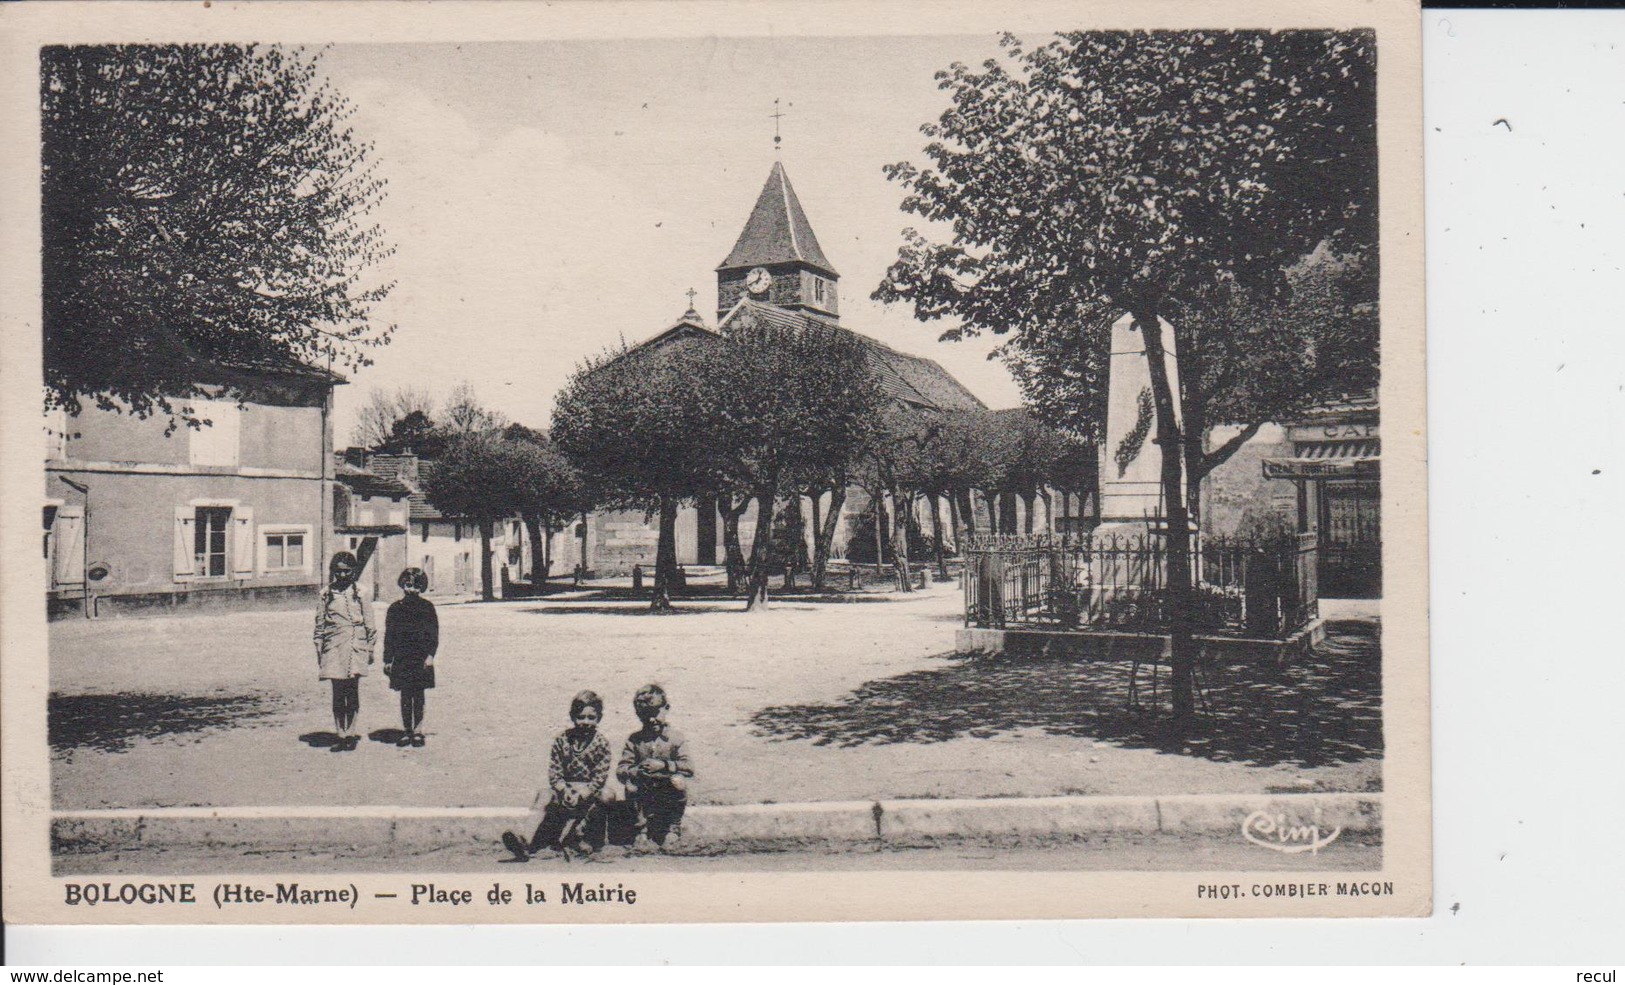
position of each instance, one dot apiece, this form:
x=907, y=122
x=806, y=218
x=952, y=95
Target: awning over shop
x=1327, y=460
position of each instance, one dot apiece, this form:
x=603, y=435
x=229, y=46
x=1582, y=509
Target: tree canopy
x=203, y=206
x=1104, y=173
x=791, y=408
x=474, y=479
x=631, y=421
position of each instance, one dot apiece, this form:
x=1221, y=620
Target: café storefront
x=1335, y=467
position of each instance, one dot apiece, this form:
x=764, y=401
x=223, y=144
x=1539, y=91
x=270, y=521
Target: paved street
x=810, y=701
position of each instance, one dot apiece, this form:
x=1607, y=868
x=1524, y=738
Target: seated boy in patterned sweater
x=576, y=772
x=655, y=770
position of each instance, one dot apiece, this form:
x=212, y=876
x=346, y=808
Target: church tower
x=777, y=259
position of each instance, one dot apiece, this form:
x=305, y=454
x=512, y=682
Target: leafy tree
x=898, y=463
x=416, y=434
x=1112, y=172
x=474, y=479
x=1246, y=357
x=786, y=403
x=1032, y=459
x=204, y=206
x=633, y=424
x=548, y=491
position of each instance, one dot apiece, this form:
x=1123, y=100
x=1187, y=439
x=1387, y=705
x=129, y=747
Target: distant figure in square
x=577, y=770
x=655, y=770
x=344, y=644
x=411, y=637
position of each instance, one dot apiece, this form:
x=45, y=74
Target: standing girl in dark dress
x=411, y=636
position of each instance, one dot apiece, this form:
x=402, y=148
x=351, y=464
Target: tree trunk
x=665, y=556
x=760, y=550
x=1191, y=444
x=487, y=589
x=533, y=527
x=824, y=536
x=1181, y=685
x=967, y=511
x=880, y=532
x=936, y=534
x=547, y=552
x=795, y=529
x=1030, y=500
x=734, y=558
x=814, y=495
x=899, y=540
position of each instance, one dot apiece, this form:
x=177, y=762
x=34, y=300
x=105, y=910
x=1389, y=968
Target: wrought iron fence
x=1244, y=586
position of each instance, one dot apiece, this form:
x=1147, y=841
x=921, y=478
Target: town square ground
x=836, y=698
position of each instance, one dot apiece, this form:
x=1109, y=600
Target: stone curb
x=751, y=827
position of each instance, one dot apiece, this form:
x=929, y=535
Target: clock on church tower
x=777, y=259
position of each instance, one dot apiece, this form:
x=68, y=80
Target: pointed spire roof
x=777, y=230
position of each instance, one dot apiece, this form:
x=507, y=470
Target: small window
x=818, y=288
x=285, y=551
x=456, y=532
x=425, y=526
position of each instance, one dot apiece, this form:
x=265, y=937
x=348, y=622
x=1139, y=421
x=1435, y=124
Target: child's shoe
x=516, y=845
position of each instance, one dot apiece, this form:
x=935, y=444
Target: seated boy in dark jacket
x=655, y=770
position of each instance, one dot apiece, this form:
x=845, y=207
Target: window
x=818, y=288
x=456, y=532
x=209, y=541
x=425, y=531
x=215, y=443
x=284, y=549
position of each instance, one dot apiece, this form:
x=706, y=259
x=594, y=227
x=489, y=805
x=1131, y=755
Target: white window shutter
x=242, y=542
x=68, y=545
x=185, y=542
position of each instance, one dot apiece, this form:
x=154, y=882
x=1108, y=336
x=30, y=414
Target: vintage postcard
x=677, y=461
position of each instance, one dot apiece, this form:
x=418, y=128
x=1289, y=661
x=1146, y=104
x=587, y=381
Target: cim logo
x=1273, y=832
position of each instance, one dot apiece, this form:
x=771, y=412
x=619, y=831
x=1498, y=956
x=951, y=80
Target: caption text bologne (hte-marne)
x=233, y=894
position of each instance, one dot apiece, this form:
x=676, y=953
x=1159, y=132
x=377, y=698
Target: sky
x=548, y=200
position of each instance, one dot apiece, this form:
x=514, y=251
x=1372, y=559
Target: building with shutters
x=140, y=516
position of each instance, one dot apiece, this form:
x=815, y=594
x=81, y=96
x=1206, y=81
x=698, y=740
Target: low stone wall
x=182, y=603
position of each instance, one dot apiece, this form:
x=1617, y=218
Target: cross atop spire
x=777, y=115
x=691, y=295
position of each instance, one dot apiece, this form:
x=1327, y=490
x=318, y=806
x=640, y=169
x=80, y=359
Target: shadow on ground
x=111, y=722
x=1323, y=711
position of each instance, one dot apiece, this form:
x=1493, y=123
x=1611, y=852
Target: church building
x=777, y=273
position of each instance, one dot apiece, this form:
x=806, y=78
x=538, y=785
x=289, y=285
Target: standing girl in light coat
x=344, y=643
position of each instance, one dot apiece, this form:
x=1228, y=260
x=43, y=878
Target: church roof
x=777, y=230
x=689, y=326
x=907, y=378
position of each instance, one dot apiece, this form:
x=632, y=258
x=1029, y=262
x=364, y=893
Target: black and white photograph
x=683, y=474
